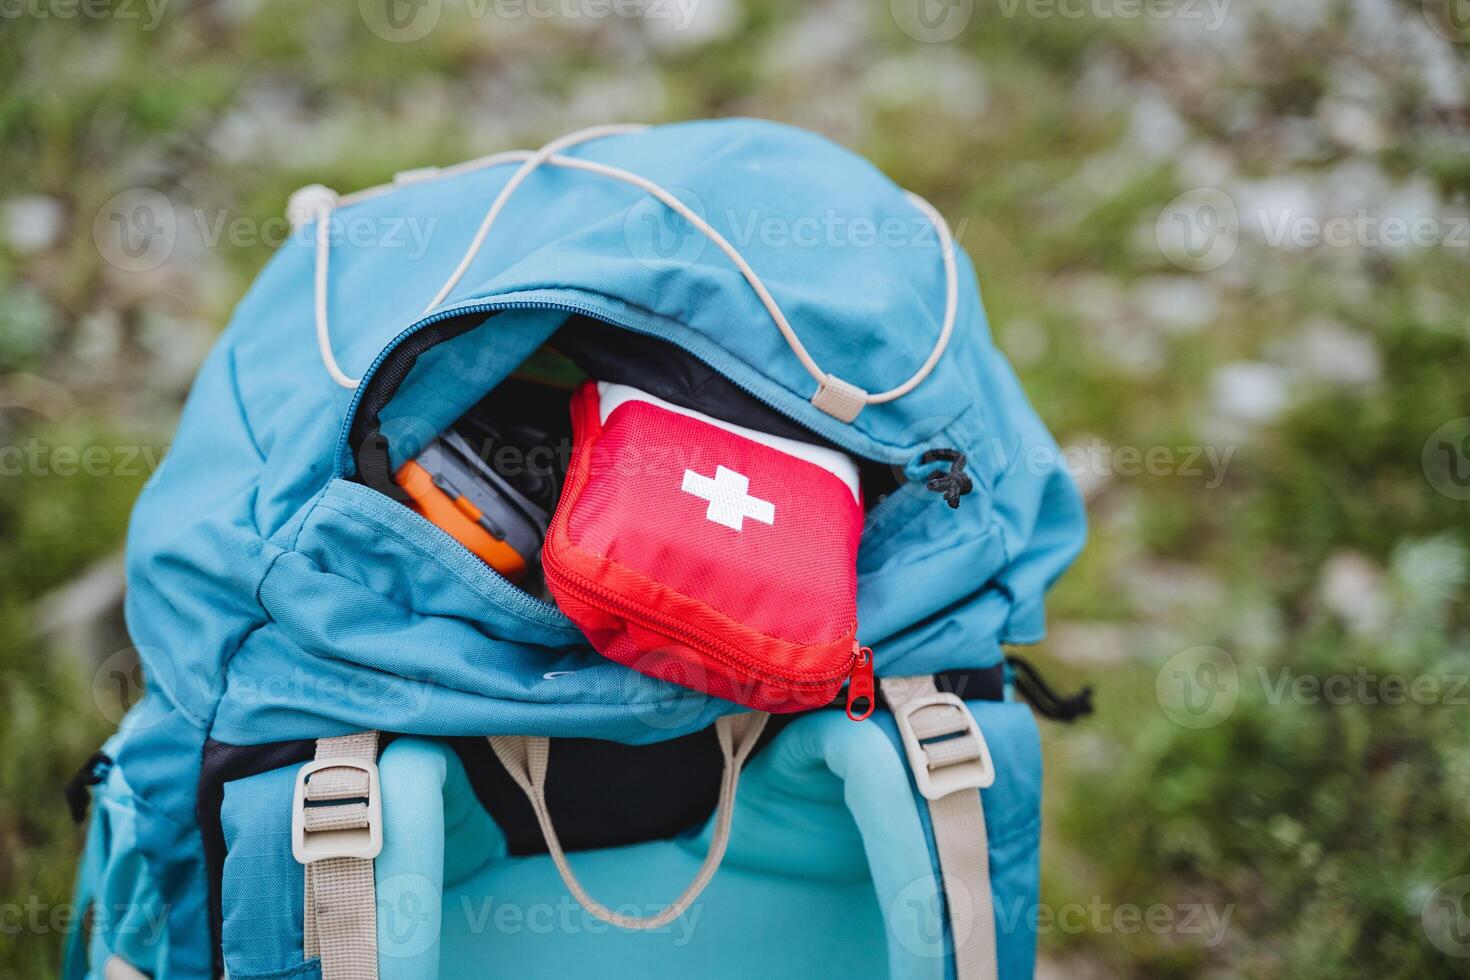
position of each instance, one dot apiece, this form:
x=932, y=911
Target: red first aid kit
x=710, y=555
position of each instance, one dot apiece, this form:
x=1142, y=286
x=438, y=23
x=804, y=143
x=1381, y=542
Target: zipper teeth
x=387, y=368
x=699, y=640
x=492, y=307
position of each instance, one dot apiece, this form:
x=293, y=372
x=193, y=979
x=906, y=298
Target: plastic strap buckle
x=338, y=842
x=971, y=767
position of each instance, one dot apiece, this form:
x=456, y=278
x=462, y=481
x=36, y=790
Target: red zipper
x=610, y=602
x=860, y=696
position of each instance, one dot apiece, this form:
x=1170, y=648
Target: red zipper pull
x=860, y=699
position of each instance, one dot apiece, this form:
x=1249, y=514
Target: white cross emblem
x=729, y=499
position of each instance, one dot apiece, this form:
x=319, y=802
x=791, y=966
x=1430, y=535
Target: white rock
x=1205, y=29
x=1115, y=332
x=1161, y=587
x=1353, y=125
x=1351, y=586
x=1300, y=16
x=1096, y=297
x=177, y=348
x=1276, y=210
x=1298, y=141
x=1100, y=177
x=1180, y=304
x=1417, y=200
x=98, y=339
x=79, y=618
x=1155, y=129
x=1104, y=82
x=237, y=11
x=633, y=93
x=1250, y=392
x=1348, y=81
x=1333, y=352
x=686, y=26
x=1201, y=165
x=942, y=78
x=32, y=223
x=1089, y=460
x=1134, y=347
x=823, y=37
x=1428, y=574
x=1380, y=31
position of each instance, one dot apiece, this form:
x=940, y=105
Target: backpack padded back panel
x=828, y=872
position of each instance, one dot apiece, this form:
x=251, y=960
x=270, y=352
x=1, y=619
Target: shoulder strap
x=950, y=762
x=337, y=831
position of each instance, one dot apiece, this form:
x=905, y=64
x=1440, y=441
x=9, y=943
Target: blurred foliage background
x=1270, y=424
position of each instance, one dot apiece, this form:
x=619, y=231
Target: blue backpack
x=343, y=765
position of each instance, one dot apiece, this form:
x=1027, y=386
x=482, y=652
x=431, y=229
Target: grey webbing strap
x=526, y=758
x=337, y=842
x=951, y=763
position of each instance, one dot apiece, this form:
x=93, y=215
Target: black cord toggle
x=953, y=484
x=93, y=771
x=1044, y=699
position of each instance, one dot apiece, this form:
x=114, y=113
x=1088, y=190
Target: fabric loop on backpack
x=526, y=758
x=958, y=821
